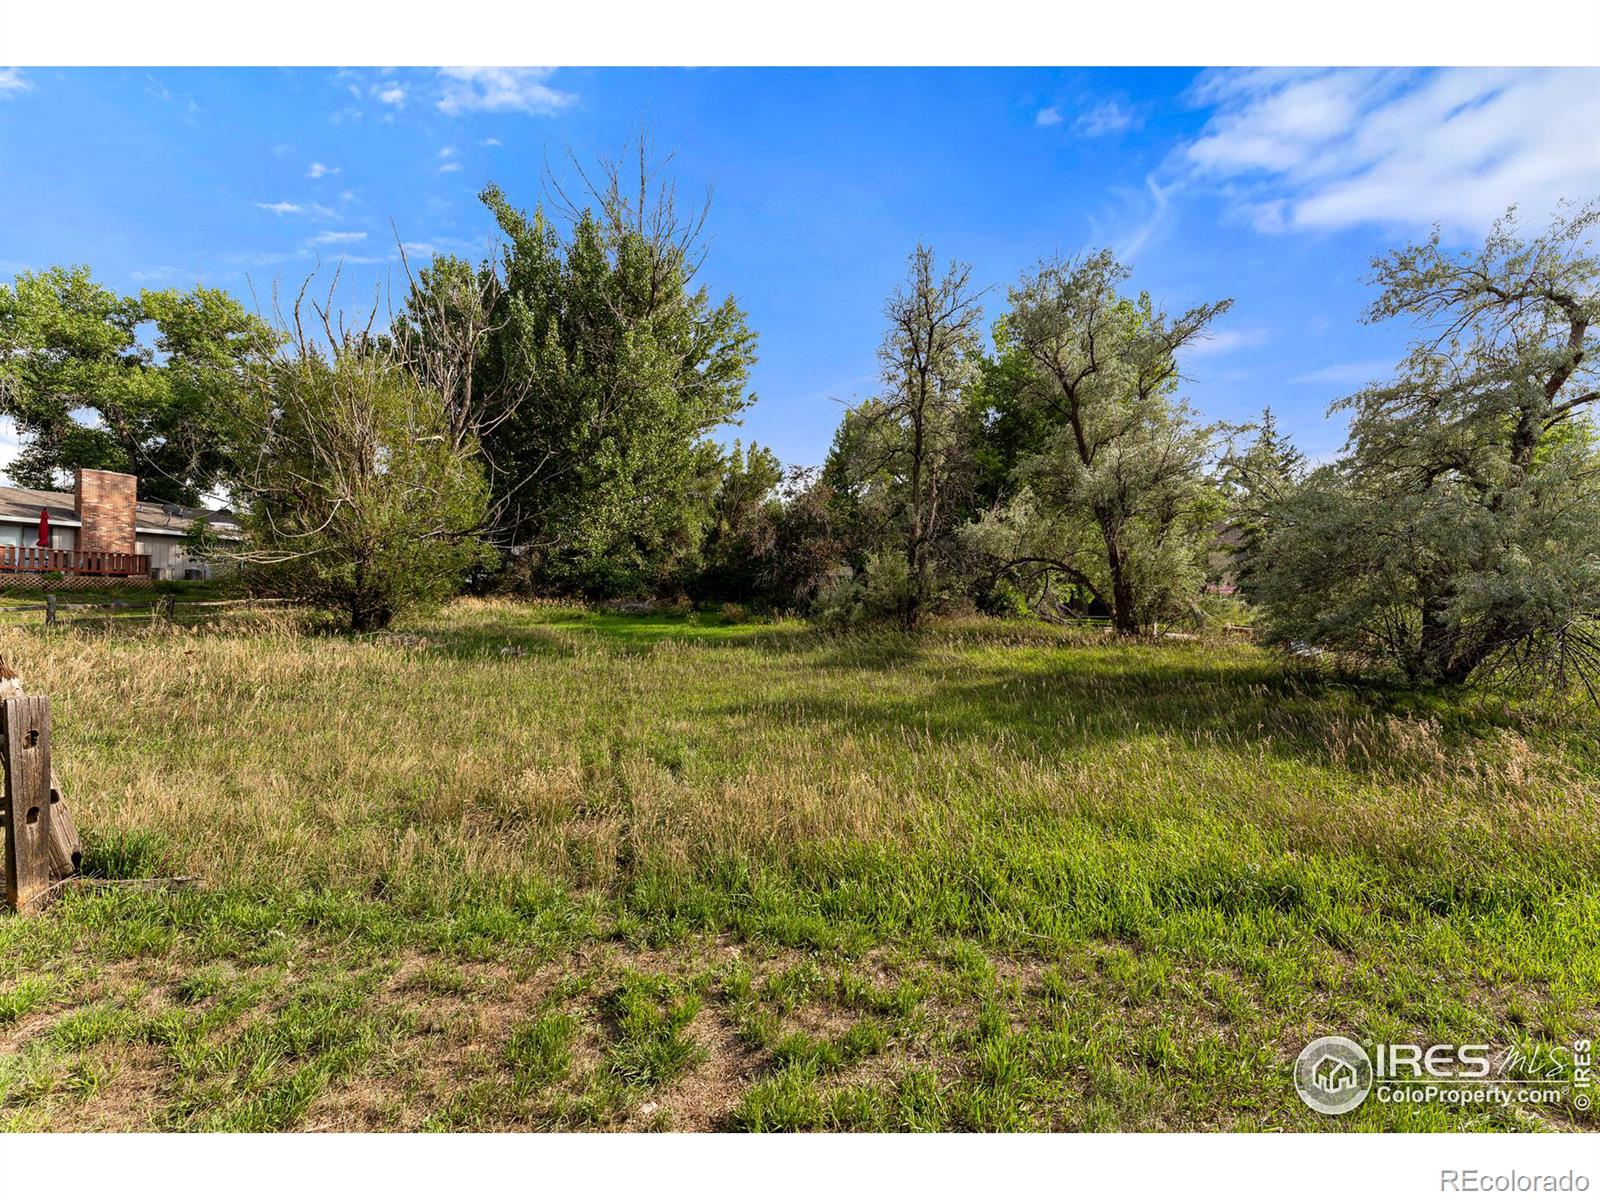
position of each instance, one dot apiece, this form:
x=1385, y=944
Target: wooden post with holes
x=25, y=749
x=50, y=608
x=66, y=851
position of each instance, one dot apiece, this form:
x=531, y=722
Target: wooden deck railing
x=43, y=559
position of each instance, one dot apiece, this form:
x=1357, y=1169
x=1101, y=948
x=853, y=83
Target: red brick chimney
x=105, y=502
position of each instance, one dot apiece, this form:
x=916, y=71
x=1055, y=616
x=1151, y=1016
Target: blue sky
x=1272, y=187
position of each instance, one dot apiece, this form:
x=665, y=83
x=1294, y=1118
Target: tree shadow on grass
x=1057, y=712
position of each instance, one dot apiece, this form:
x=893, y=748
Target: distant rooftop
x=23, y=504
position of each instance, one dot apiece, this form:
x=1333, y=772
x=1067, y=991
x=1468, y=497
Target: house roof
x=22, y=505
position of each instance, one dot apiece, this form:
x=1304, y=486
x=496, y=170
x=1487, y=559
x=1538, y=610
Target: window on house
x=10, y=535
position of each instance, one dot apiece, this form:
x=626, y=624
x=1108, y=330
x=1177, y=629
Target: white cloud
x=12, y=82
x=317, y=170
x=284, y=208
x=389, y=93
x=417, y=247
x=332, y=237
x=1157, y=219
x=1347, y=374
x=447, y=152
x=1327, y=149
x=501, y=89
x=1106, y=117
x=489, y=142
x=1225, y=341
x=447, y=168
x=153, y=274
x=1048, y=116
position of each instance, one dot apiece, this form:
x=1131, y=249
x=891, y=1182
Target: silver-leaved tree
x=1459, y=532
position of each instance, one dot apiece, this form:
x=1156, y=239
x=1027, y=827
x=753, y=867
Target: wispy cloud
x=489, y=142
x=1226, y=341
x=1347, y=374
x=285, y=208
x=1048, y=116
x=1156, y=203
x=334, y=237
x=501, y=89
x=1106, y=117
x=153, y=274
x=389, y=93
x=12, y=83
x=317, y=170
x=1328, y=149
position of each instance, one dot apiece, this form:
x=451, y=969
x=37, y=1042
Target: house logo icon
x=1333, y=1075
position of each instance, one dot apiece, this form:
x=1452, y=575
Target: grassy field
x=531, y=867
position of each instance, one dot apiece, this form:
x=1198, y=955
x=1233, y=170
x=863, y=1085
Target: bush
x=361, y=500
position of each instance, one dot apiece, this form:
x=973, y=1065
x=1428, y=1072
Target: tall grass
x=1164, y=822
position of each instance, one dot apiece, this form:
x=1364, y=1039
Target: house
x=102, y=529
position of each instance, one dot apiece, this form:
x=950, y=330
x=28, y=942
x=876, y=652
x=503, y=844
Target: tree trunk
x=1446, y=655
x=1122, y=606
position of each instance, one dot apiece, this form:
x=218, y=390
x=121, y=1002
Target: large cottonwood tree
x=152, y=384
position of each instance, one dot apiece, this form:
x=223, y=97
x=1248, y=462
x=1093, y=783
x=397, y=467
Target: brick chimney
x=105, y=502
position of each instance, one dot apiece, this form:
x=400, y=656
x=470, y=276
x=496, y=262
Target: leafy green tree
x=357, y=498
x=740, y=540
x=808, y=545
x=611, y=369
x=151, y=384
x=1115, y=506
x=1256, y=478
x=1460, y=530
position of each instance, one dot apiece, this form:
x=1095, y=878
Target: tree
x=358, y=499
x=808, y=545
x=452, y=312
x=1255, y=479
x=162, y=375
x=736, y=554
x=620, y=368
x=1115, y=505
x=912, y=436
x=1460, y=530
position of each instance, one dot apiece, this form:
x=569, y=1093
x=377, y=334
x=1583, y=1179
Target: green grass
x=527, y=866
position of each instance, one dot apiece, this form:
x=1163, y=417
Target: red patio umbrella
x=44, y=528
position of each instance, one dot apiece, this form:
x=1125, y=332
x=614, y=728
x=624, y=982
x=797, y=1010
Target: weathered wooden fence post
x=50, y=608
x=25, y=812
